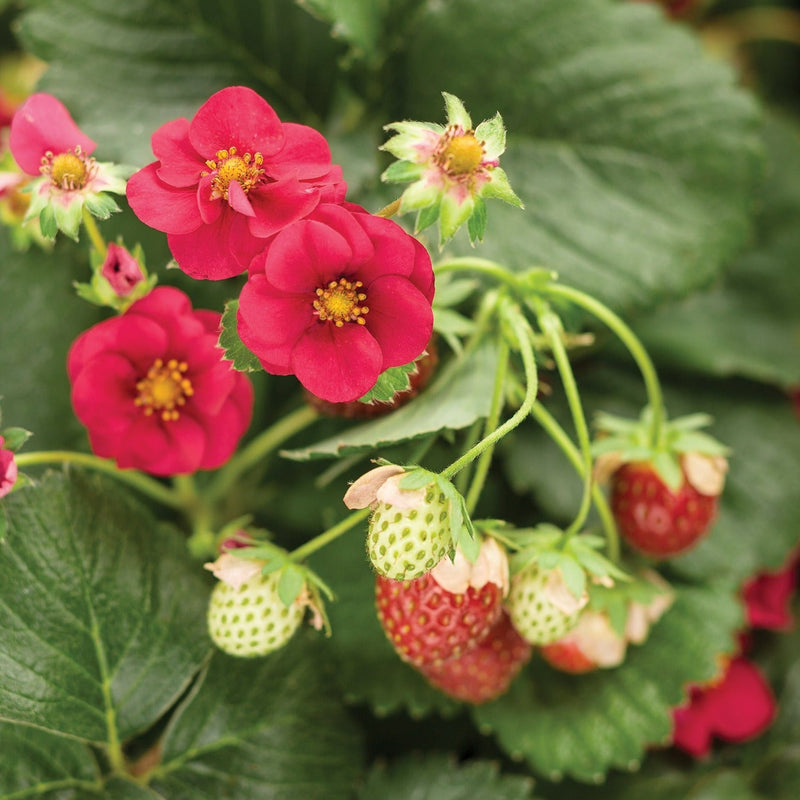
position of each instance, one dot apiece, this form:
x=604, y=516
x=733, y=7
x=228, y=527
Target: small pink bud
x=121, y=270
x=8, y=470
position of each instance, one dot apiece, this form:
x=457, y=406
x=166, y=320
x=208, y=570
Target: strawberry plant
x=398, y=399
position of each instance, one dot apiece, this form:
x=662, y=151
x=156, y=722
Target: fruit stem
x=635, y=348
x=263, y=444
x=492, y=421
x=560, y=437
x=334, y=532
x=94, y=234
x=551, y=326
x=518, y=325
x=145, y=484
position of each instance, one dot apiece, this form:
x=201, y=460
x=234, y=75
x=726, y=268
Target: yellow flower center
x=69, y=171
x=340, y=302
x=164, y=389
x=229, y=166
x=462, y=153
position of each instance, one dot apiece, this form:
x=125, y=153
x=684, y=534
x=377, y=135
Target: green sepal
x=290, y=583
x=389, y=383
x=101, y=206
x=402, y=172
x=492, y=133
x=476, y=224
x=615, y=600
x=419, y=195
x=14, y=438
x=469, y=544
x=427, y=216
x=452, y=215
x=243, y=360
x=69, y=218
x=456, y=112
x=500, y=189
x=416, y=478
x=573, y=573
x=47, y=222
x=668, y=468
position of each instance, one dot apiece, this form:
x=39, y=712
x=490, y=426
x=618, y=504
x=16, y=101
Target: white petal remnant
x=363, y=492
x=458, y=575
x=233, y=570
x=705, y=473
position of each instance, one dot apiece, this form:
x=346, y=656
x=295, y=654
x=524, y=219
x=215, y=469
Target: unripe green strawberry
x=251, y=620
x=540, y=605
x=405, y=543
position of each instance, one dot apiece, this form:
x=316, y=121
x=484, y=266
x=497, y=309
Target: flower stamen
x=229, y=166
x=340, y=302
x=68, y=171
x=164, y=389
x=459, y=153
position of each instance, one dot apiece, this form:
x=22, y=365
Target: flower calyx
x=451, y=169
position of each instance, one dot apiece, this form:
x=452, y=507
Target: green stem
x=482, y=265
x=318, y=542
x=635, y=347
x=559, y=436
x=259, y=448
x=553, y=329
x=470, y=440
x=146, y=485
x=492, y=421
x=522, y=333
x=94, y=233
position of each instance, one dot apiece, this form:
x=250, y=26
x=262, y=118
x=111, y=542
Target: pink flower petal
x=337, y=364
x=180, y=164
x=207, y=253
x=160, y=205
x=236, y=117
x=768, y=599
x=210, y=207
x=229, y=424
x=400, y=318
x=305, y=154
x=42, y=123
x=393, y=248
x=347, y=225
x=269, y=323
x=307, y=256
x=278, y=204
x=237, y=199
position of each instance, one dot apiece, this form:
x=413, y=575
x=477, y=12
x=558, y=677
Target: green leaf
x=367, y=666
x=243, y=359
x=747, y=324
x=584, y=725
x=168, y=58
x=37, y=763
x=389, y=383
x=459, y=396
x=262, y=729
x=636, y=155
x=357, y=21
x=437, y=777
x=102, y=617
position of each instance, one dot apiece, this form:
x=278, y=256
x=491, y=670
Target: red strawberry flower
x=47, y=144
x=8, y=469
x=230, y=179
x=337, y=299
x=738, y=707
x=153, y=391
x=768, y=596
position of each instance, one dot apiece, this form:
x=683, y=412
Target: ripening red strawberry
x=657, y=520
x=427, y=624
x=486, y=671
